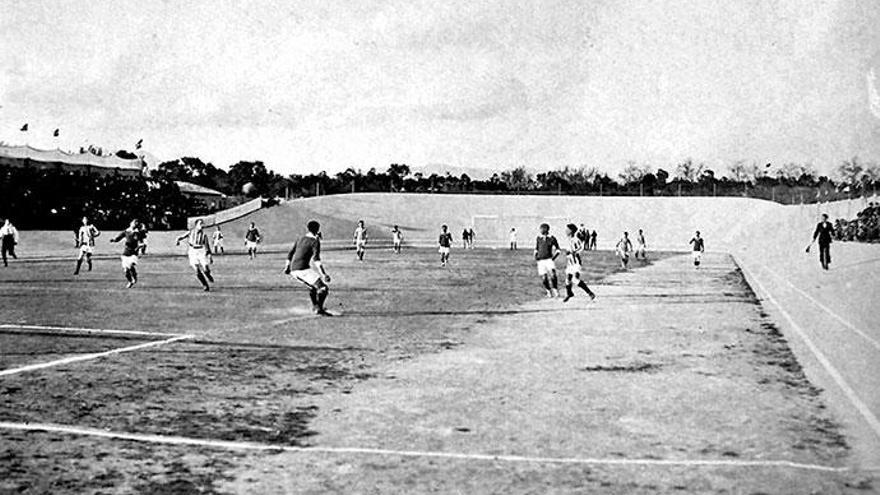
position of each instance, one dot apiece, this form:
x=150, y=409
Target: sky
x=307, y=86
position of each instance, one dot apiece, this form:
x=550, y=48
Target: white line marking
x=232, y=445
x=87, y=357
x=860, y=406
x=821, y=306
x=88, y=330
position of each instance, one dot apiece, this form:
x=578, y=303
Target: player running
x=641, y=246
x=823, y=233
x=445, y=245
x=624, y=248
x=360, y=240
x=218, y=241
x=546, y=251
x=573, y=264
x=304, y=264
x=252, y=239
x=699, y=247
x=8, y=240
x=397, y=239
x=199, y=253
x=133, y=237
x=85, y=242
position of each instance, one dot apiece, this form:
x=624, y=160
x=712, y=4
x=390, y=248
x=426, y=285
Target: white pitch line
x=233, y=445
x=87, y=357
x=821, y=306
x=88, y=330
x=860, y=406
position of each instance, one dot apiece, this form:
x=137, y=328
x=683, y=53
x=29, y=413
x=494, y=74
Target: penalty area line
x=88, y=357
x=13, y=326
x=835, y=375
x=234, y=445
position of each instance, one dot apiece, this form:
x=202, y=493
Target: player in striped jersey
x=546, y=251
x=624, y=248
x=304, y=264
x=85, y=241
x=199, y=252
x=573, y=264
x=360, y=240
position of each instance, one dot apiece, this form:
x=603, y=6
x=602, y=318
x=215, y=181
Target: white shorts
x=444, y=250
x=361, y=244
x=308, y=276
x=546, y=267
x=129, y=261
x=698, y=255
x=198, y=257
x=640, y=248
x=250, y=244
x=218, y=244
x=86, y=249
x=572, y=269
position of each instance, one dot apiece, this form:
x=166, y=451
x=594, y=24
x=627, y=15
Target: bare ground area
x=670, y=363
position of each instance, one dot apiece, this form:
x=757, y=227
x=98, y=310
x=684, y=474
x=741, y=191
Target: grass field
x=669, y=364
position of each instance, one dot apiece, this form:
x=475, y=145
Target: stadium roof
x=58, y=156
x=190, y=188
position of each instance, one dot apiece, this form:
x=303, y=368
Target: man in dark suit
x=823, y=233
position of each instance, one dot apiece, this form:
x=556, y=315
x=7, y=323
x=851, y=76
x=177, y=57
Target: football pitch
x=460, y=379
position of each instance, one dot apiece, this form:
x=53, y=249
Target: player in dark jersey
x=823, y=232
x=304, y=264
x=546, y=251
x=252, y=238
x=445, y=241
x=593, y=240
x=133, y=237
x=699, y=247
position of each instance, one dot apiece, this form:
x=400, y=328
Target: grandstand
x=85, y=163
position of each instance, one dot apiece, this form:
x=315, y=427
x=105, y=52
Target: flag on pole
x=139, y=144
x=55, y=133
x=24, y=128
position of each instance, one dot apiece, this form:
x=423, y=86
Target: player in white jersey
x=218, y=241
x=573, y=264
x=513, y=239
x=199, y=253
x=360, y=240
x=85, y=242
x=641, y=246
x=397, y=238
x=624, y=248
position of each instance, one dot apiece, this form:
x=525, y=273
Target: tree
x=633, y=173
x=850, y=172
x=518, y=179
x=688, y=170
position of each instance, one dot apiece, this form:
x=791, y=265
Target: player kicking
x=85, y=241
x=445, y=241
x=641, y=246
x=133, y=237
x=304, y=264
x=199, y=253
x=624, y=248
x=218, y=241
x=699, y=247
x=360, y=240
x=546, y=251
x=397, y=238
x=573, y=264
x=252, y=239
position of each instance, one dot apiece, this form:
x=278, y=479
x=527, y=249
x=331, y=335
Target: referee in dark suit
x=823, y=235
